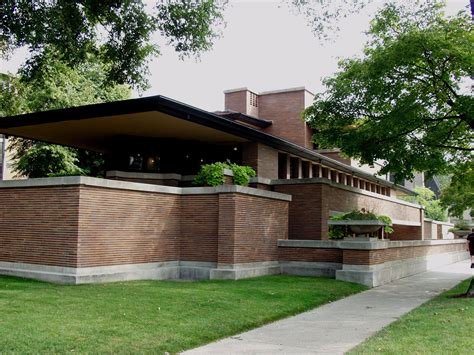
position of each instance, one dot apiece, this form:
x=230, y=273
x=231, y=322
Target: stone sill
x=134, y=186
x=364, y=244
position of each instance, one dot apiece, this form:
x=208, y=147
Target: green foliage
x=406, y=101
x=120, y=32
x=324, y=16
x=242, y=174
x=460, y=225
x=459, y=195
x=213, y=174
x=56, y=85
x=339, y=232
x=186, y=24
x=433, y=208
x=49, y=160
x=210, y=174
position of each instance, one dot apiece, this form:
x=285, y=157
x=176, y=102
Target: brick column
x=226, y=229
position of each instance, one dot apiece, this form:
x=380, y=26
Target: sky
x=264, y=46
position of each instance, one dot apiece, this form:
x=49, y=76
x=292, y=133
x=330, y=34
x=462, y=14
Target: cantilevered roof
x=246, y=119
x=96, y=127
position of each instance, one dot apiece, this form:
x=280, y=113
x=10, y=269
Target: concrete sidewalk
x=338, y=327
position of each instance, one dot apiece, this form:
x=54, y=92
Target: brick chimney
x=241, y=100
x=283, y=107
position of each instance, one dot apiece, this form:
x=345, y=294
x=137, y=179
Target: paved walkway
x=339, y=326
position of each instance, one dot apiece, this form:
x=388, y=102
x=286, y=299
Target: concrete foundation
x=381, y=274
x=304, y=268
x=186, y=270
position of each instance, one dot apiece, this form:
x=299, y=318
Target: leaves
x=213, y=174
x=120, y=32
x=405, y=101
x=433, y=208
x=56, y=85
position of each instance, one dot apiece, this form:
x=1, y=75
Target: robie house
x=145, y=220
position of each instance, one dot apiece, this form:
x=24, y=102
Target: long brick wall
x=39, y=226
x=372, y=257
x=88, y=226
x=127, y=227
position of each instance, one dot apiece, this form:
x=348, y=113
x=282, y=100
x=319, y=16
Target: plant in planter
x=213, y=174
x=461, y=229
x=358, y=222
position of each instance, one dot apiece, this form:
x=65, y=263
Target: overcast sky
x=264, y=47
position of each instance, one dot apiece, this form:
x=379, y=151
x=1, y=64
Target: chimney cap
x=238, y=90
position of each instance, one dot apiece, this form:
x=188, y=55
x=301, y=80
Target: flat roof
x=95, y=127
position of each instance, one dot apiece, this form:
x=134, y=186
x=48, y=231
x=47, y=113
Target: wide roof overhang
x=97, y=127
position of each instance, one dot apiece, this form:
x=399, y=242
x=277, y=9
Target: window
x=305, y=169
x=282, y=165
x=294, y=167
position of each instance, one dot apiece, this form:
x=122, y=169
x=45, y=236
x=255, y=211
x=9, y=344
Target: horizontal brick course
x=372, y=257
x=87, y=226
x=310, y=254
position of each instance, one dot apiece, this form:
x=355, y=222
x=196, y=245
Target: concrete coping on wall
x=364, y=244
x=148, y=176
x=134, y=186
x=439, y=222
x=343, y=187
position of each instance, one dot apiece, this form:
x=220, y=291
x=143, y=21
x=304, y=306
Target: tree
x=433, y=208
x=56, y=85
x=118, y=32
x=459, y=195
x=407, y=101
x=324, y=16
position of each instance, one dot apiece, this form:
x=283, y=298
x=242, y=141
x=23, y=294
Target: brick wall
x=371, y=257
x=236, y=101
x=312, y=203
x=284, y=109
x=199, y=228
x=263, y=159
x=311, y=254
x=305, y=218
x=249, y=228
x=87, y=226
x=39, y=226
x=127, y=227
x=401, y=232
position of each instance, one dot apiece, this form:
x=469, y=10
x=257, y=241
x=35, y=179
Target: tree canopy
x=433, y=208
x=118, y=32
x=407, y=101
x=459, y=195
x=56, y=85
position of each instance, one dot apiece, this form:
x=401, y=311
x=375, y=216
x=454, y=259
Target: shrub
x=460, y=225
x=339, y=232
x=213, y=174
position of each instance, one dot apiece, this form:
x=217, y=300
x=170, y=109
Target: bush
x=460, y=225
x=213, y=174
x=339, y=232
x=427, y=199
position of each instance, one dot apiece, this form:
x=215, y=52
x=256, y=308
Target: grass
x=149, y=316
x=444, y=325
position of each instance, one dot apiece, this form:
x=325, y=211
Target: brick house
x=146, y=220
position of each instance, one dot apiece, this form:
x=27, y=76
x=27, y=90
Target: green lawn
x=149, y=316
x=443, y=325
